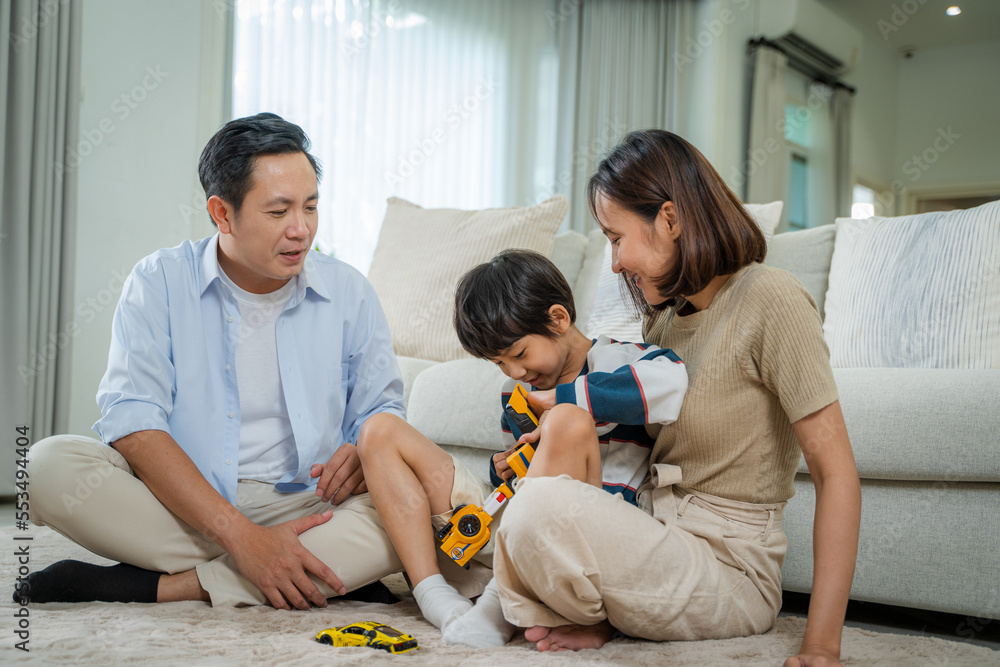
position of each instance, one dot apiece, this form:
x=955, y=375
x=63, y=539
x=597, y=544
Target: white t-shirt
x=267, y=447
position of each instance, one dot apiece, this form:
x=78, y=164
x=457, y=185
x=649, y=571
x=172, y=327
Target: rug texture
x=195, y=633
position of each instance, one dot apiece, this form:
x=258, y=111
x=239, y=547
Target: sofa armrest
x=922, y=423
x=458, y=403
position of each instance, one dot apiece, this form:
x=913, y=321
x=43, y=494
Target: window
x=862, y=202
x=808, y=136
x=405, y=98
x=797, y=140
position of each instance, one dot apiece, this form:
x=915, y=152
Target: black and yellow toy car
x=369, y=633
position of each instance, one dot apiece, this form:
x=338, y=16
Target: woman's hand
x=813, y=656
x=541, y=401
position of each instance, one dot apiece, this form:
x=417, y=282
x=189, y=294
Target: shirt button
x=230, y=318
x=228, y=461
x=228, y=367
x=232, y=414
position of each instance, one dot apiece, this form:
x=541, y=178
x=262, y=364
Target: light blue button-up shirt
x=172, y=364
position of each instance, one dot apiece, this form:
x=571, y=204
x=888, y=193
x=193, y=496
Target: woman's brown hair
x=718, y=237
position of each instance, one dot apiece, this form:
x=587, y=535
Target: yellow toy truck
x=469, y=528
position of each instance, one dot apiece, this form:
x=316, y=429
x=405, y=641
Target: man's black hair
x=507, y=298
x=227, y=163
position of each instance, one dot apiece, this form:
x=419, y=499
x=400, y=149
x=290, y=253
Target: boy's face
x=537, y=360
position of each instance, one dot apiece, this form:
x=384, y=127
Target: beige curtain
x=39, y=68
x=767, y=159
x=843, y=182
x=617, y=73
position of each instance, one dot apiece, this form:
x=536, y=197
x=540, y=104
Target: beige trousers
x=692, y=566
x=86, y=491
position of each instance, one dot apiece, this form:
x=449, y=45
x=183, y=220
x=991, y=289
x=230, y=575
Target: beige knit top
x=756, y=362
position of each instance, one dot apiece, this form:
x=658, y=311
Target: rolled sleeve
x=136, y=393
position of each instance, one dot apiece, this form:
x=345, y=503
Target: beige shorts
x=468, y=489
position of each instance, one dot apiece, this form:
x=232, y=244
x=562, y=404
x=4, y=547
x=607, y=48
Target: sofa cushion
x=567, y=254
x=458, y=403
x=590, y=272
x=409, y=369
x=806, y=254
x=918, y=291
x=922, y=424
x=613, y=314
x=422, y=253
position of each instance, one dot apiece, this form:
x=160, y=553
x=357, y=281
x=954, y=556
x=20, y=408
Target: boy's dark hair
x=227, y=162
x=507, y=298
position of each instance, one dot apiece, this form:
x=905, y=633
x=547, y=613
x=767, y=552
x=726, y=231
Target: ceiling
x=927, y=26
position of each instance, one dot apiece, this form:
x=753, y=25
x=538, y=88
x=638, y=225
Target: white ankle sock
x=483, y=625
x=439, y=602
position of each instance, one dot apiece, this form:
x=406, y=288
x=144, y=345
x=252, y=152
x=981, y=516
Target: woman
x=701, y=557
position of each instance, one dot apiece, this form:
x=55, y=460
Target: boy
x=516, y=310
x=593, y=397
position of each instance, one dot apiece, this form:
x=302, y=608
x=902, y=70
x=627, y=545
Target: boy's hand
x=504, y=471
x=541, y=401
x=341, y=476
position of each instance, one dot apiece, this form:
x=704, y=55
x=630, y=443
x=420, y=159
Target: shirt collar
x=210, y=263
x=308, y=278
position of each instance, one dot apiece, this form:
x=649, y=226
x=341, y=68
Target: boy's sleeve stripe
x=642, y=394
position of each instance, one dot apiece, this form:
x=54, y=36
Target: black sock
x=374, y=592
x=76, y=581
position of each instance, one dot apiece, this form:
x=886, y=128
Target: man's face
x=264, y=244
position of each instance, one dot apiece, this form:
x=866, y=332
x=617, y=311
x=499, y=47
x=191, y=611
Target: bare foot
x=570, y=637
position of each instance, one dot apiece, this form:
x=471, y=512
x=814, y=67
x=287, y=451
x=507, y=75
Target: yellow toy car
x=369, y=633
x=468, y=530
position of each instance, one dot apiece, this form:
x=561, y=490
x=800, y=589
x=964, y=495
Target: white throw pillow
x=613, y=314
x=917, y=291
x=422, y=253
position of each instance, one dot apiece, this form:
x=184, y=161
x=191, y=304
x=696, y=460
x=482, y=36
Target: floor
x=863, y=615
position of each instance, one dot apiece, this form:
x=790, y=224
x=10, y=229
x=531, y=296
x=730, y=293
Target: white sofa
x=926, y=441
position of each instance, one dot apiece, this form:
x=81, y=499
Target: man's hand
x=341, y=476
x=274, y=560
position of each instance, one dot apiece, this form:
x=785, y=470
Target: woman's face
x=643, y=251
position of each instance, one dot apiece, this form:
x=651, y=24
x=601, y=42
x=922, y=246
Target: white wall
x=137, y=165
x=873, y=122
x=947, y=120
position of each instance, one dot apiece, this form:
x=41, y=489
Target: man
x=242, y=368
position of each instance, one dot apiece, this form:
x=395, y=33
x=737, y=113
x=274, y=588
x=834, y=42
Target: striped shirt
x=624, y=386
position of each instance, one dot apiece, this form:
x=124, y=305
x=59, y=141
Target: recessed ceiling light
x=954, y=10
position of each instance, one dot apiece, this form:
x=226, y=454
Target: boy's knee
x=569, y=422
x=379, y=434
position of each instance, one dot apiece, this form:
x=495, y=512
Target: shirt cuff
x=128, y=417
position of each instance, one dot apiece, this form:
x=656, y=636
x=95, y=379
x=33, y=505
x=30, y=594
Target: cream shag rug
x=195, y=633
